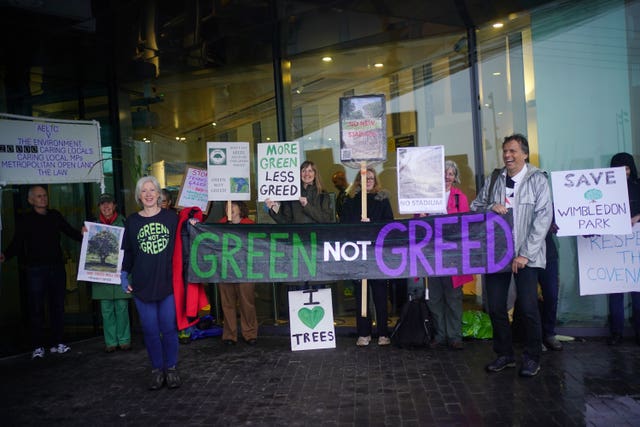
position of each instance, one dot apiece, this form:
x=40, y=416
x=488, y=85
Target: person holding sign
x=445, y=293
x=314, y=204
x=616, y=301
x=378, y=210
x=114, y=303
x=523, y=189
x=37, y=238
x=149, y=237
x=241, y=295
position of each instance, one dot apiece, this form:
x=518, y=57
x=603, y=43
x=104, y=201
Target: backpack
x=415, y=326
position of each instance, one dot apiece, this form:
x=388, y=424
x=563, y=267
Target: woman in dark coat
x=378, y=210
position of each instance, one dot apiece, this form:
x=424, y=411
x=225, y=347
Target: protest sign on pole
x=363, y=143
x=100, y=255
x=363, y=129
x=228, y=171
x=194, y=189
x=35, y=150
x=278, y=171
x=591, y=201
x=609, y=264
x=421, y=186
x=311, y=319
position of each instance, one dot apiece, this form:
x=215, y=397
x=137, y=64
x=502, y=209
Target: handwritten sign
x=363, y=129
x=311, y=319
x=421, y=180
x=228, y=171
x=194, y=191
x=33, y=151
x=591, y=201
x=609, y=264
x=100, y=255
x=278, y=171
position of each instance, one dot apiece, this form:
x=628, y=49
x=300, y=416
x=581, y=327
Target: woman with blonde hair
x=378, y=210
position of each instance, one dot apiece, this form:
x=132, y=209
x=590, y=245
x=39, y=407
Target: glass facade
x=563, y=73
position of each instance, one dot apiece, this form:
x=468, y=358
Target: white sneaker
x=38, y=353
x=363, y=341
x=384, y=341
x=60, y=348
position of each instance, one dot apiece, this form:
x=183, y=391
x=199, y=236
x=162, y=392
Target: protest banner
x=228, y=171
x=421, y=180
x=278, y=171
x=442, y=245
x=609, y=264
x=100, y=255
x=311, y=319
x=35, y=149
x=591, y=201
x=194, y=190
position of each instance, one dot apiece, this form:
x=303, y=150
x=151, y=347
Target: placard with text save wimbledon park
x=311, y=319
x=45, y=151
x=421, y=180
x=591, y=201
x=194, y=189
x=609, y=264
x=228, y=171
x=442, y=245
x=278, y=171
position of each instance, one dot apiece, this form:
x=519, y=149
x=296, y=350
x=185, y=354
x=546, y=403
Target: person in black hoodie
x=378, y=210
x=37, y=237
x=616, y=301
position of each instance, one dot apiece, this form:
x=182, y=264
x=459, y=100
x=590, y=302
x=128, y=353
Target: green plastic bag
x=476, y=324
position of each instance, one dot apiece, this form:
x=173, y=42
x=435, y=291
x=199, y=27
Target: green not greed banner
x=442, y=245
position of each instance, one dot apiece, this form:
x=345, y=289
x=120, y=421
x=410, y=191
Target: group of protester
x=147, y=273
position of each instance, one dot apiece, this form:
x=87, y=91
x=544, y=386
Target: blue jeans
x=616, y=312
x=526, y=281
x=378, y=289
x=160, y=329
x=549, y=286
x=46, y=282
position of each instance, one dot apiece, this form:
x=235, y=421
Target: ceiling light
x=498, y=25
x=497, y=73
x=327, y=59
x=378, y=65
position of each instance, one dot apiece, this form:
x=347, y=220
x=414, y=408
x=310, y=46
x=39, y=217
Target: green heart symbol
x=312, y=317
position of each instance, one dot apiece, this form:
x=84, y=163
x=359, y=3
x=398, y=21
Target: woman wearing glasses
x=378, y=210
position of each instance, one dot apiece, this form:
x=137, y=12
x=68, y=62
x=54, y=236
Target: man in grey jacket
x=524, y=189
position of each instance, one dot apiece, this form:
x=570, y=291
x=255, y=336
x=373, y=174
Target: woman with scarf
x=114, y=303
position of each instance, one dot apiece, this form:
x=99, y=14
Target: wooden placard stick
x=364, y=218
x=229, y=210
